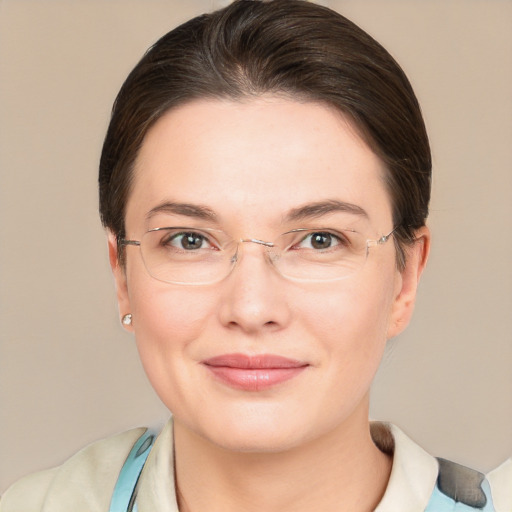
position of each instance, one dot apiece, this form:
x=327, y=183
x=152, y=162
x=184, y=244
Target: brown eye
x=319, y=240
x=189, y=241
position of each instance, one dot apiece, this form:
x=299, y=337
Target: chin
x=262, y=433
x=258, y=442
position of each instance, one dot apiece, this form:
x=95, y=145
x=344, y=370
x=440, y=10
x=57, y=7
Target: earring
x=127, y=319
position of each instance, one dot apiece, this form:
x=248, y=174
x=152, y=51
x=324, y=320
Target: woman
x=264, y=183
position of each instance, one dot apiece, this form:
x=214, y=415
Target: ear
x=123, y=300
x=407, y=282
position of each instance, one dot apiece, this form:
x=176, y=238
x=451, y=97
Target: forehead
x=253, y=161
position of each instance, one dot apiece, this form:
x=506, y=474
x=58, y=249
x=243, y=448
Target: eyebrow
x=306, y=211
x=186, y=209
x=320, y=208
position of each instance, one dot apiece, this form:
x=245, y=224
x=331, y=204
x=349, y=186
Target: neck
x=341, y=471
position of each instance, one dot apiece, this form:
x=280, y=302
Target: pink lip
x=253, y=373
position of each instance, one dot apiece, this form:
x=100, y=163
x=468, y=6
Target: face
x=252, y=166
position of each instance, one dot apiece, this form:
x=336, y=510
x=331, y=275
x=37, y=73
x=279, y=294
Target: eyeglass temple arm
x=382, y=240
x=128, y=242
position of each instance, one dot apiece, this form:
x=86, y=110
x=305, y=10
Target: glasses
x=199, y=256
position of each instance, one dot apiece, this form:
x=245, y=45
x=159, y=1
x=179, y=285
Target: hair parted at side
x=292, y=48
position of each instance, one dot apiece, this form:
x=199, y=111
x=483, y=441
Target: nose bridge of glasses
x=268, y=245
x=256, y=241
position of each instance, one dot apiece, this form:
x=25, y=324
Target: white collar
x=500, y=480
x=413, y=474
x=156, y=484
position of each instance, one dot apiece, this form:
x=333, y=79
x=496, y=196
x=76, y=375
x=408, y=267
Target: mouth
x=253, y=373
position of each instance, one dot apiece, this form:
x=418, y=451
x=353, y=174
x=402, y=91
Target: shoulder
x=419, y=481
x=500, y=480
x=83, y=482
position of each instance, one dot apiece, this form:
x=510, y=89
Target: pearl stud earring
x=127, y=319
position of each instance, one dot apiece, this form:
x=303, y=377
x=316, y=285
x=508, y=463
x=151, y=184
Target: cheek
x=351, y=321
x=162, y=312
x=360, y=306
x=167, y=320
x=166, y=317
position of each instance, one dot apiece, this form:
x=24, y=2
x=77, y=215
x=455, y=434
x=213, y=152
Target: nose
x=254, y=294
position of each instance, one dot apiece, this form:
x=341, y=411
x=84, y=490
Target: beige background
x=69, y=374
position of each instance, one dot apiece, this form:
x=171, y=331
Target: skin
x=252, y=163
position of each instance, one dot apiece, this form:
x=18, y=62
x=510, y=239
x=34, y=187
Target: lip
x=253, y=373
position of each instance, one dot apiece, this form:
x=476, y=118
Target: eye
x=187, y=240
x=320, y=240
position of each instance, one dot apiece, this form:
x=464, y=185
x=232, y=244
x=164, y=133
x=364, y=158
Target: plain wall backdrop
x=69, y=374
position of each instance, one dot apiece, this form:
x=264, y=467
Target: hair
x=280, y=47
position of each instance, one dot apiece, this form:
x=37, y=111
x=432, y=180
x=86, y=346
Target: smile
x=253, y=373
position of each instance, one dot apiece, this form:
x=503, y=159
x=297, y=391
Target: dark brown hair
x=285, y=47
